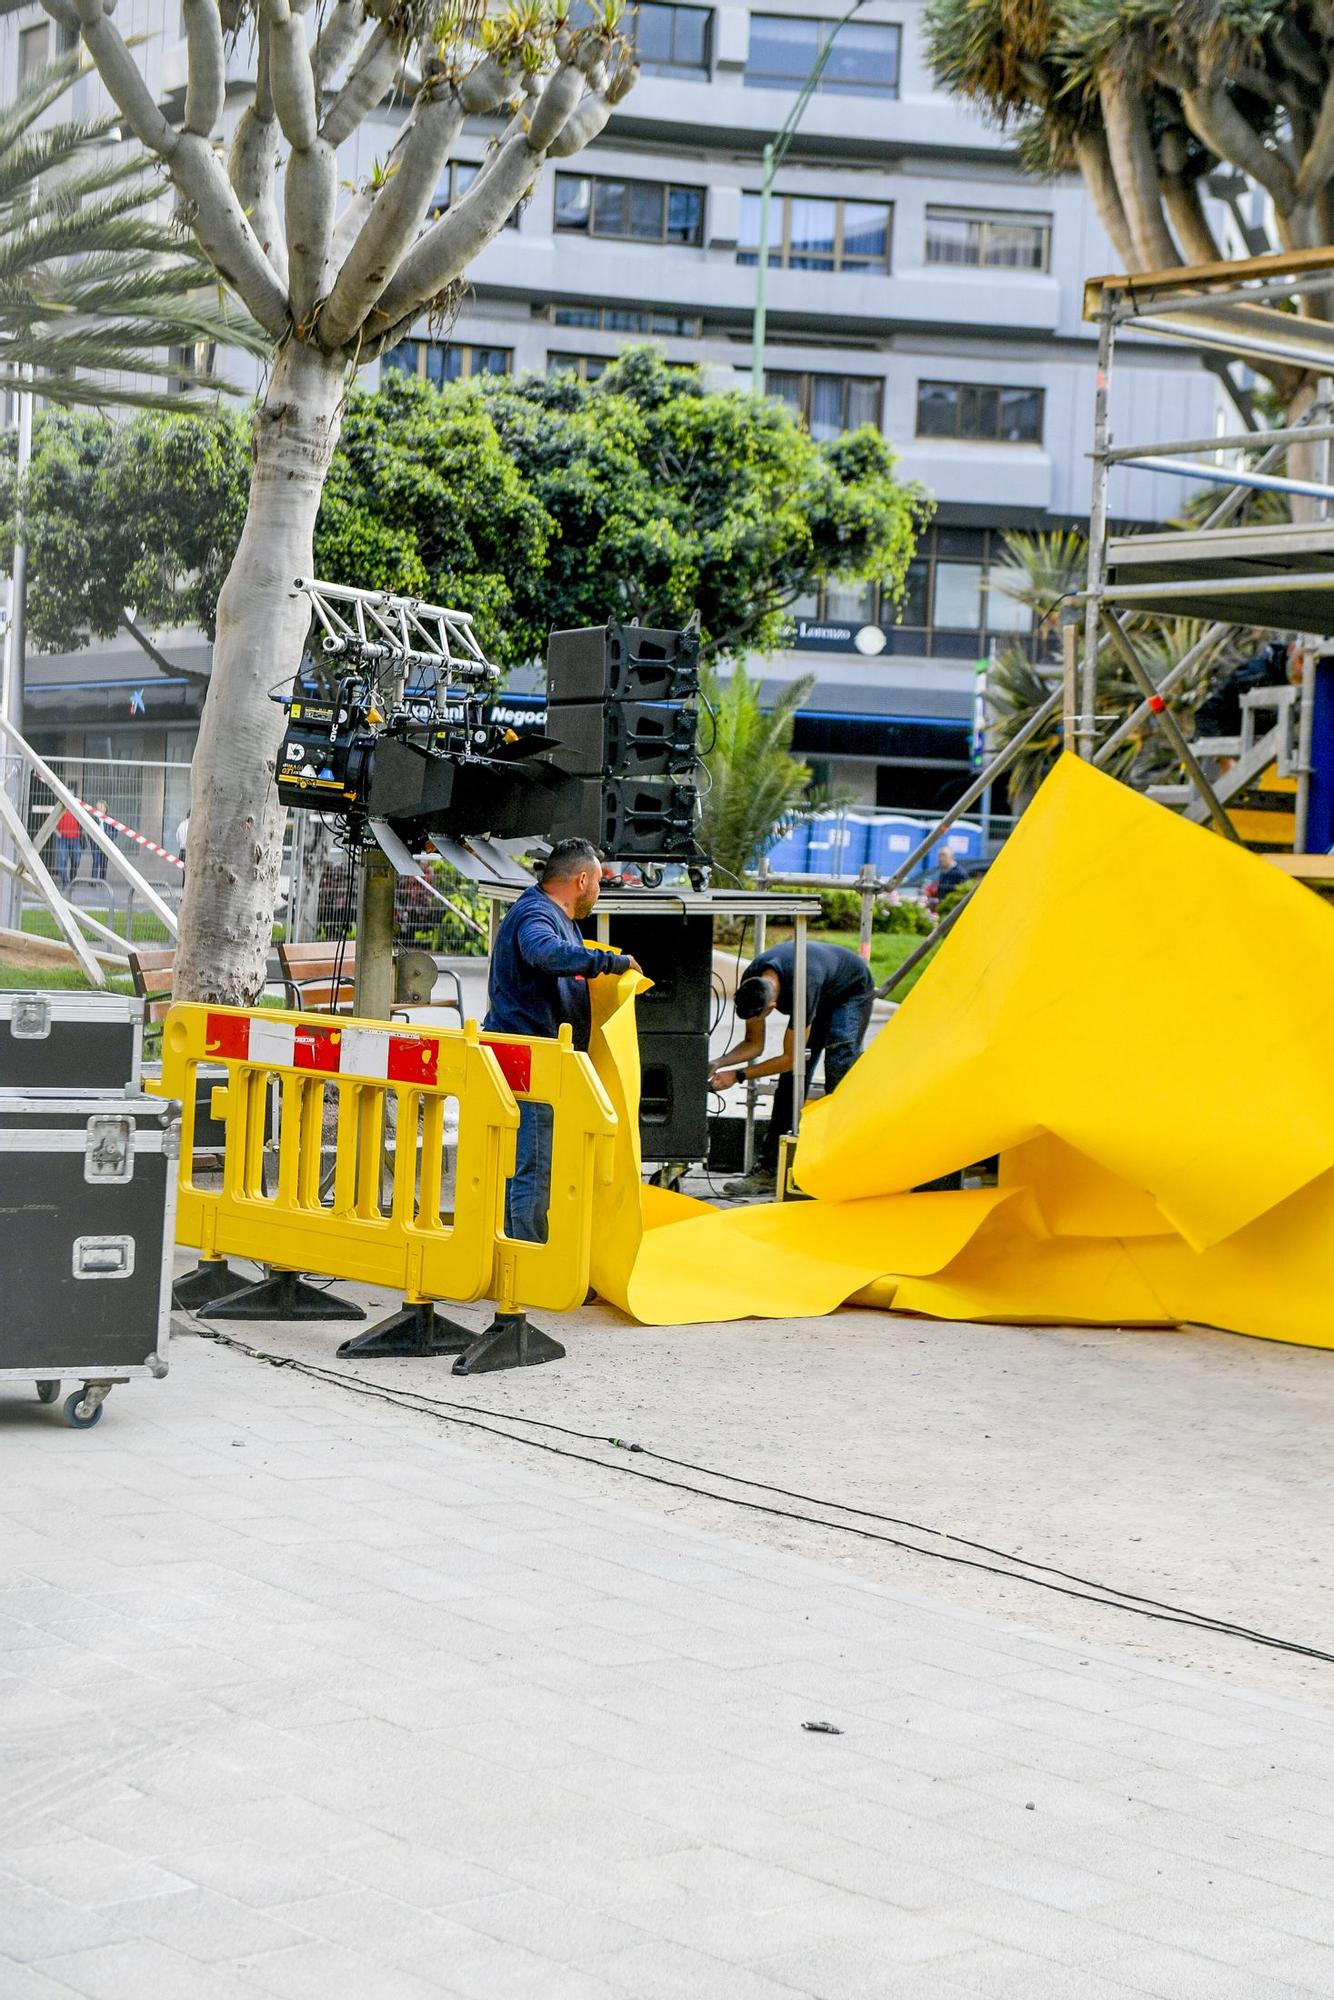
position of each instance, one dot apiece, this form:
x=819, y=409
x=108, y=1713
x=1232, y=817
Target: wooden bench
x=308, y=979
x=151, y=972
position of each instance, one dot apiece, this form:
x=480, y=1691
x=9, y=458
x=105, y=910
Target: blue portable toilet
x=787, y=856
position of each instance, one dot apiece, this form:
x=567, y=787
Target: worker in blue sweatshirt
x=540, y=968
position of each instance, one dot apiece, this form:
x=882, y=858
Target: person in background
x=540, y=968
x=104, y=826
x=69, y=849
x=182, y=835
x=950, y=877
x=839, y=995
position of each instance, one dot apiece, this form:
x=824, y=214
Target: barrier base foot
x=414, y=1329
x=212, y=1278
x=283, y=1295
x=509, y=1342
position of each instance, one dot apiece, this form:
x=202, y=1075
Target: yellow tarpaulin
x=1136, y=1016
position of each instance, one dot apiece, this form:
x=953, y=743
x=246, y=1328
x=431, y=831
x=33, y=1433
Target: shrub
x=905, y=918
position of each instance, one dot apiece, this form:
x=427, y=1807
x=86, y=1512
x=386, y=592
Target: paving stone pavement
x=301, y=1695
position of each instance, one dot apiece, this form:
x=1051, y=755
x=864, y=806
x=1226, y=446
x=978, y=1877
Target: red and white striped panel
x=373, y=1054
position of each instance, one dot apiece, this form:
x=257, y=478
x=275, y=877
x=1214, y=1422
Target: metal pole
x=1305, y=731
x=928, y=944
x=774, y=153
x=1170, y=681
x=1000, y=762
x=761, y=275
x=1169, y=725
x=16, y=632
x=1213, y=475
x=866, y=889
x=1069, y=677
x=373, y=989
x=798, y=1022
x=1086, y=729
x=296, y=876
x=1298, y=433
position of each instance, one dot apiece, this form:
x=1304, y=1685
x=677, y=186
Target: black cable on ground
x=466, y=1415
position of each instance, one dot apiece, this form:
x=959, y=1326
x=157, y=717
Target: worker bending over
x=540, y=968
x=839, y=993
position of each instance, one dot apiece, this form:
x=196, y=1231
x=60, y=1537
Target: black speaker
x=622, y=663
x=673, y=1096
x=628, y=817
x=633, y=739
x=677, y=955
x=727, y=1145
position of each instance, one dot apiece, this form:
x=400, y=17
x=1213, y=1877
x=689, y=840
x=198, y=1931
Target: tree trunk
x=1136, y=169
x=235, y=841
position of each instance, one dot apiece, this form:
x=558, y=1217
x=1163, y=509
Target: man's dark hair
x=752, y=997
x=569, y=857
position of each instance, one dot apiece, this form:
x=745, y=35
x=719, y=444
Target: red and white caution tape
x=379, y=1055
x=141, y=839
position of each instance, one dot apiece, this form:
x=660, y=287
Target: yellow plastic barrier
x=351, y=1229
x=554, y=1274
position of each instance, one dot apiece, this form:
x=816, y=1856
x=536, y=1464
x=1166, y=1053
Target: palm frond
x=94, y=285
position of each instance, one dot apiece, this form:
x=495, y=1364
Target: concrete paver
x=303, y=1694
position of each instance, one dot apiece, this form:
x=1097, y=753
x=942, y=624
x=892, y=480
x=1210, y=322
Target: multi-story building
x=918, y=280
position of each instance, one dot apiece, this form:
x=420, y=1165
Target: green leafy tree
x=128, y=525
x=533, y=504
x=666, y=498
x=91, y=280
x=754, y=780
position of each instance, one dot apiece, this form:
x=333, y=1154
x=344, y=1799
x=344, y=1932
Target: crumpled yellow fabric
x=1137, y=1017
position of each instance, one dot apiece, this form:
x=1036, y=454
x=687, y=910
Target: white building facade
x=918, y=280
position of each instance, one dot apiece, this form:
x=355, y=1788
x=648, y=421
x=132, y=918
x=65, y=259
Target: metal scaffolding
x=1236, y=575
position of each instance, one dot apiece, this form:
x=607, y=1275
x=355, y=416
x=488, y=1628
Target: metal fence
x=151, y=800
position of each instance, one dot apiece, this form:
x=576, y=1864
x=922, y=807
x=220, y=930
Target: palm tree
x=755, y=783
x=93, y=283
x=1041, y=571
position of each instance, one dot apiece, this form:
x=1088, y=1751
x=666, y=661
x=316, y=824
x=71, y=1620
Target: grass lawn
x=148, y=928
x=888, y=951
x=41, y=978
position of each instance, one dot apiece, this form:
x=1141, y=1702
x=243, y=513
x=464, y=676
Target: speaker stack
x=673, y=1018
x=621, y=707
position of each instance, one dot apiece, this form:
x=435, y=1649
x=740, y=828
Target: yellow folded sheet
x=1135, y=1015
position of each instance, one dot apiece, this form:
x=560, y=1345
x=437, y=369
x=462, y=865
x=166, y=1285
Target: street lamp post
x=775, y=152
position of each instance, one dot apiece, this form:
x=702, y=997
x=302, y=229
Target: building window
x=668, y=40
x=456, y=179
x=810, y=234
x=829, y=404
x=634, y=211
x=33, y=44
x=671, y=41
x=863, y=62
x=953, y=604
x=442, y=361
x=972, y=410
x=624, y=319
x=983, y=237
x=200, y=358
x=586, y=366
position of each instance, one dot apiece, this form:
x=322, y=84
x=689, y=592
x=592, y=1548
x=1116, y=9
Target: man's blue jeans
x=529, y=1189
x=68, y=855
x=841, y=1044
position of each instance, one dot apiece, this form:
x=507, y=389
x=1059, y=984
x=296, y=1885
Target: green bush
x=903, y=918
